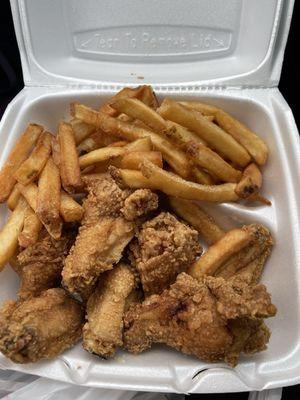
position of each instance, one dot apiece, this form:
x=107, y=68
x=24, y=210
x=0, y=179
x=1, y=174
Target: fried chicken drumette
x=41, y=327
x=104, y=233
x=164, y=248
x=195, y=316
x=103, y=331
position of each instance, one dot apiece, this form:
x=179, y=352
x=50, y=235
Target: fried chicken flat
x=104, y=233
x=103, y=331
x=41, y=327
x=39, y=265
x=192, y=316
x=164, y=248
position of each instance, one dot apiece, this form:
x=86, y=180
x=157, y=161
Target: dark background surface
x=11, y=83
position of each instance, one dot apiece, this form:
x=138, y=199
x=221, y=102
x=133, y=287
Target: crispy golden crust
x=139, y=203
x=164, y=248
x=41, y=327
x=40, y=265
x=105, y=308
x=196, y=317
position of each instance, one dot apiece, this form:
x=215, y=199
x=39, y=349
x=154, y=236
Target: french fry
x=97, y=140
x=13, y=198
x=200, y=176
x=247, y=138
x=131, y=178
x=176, y=158
x=198, y=218
x=125, y=92
x=70, y=210
x=250, y=182
x=148, y=97
x=31, y=229
x=133, y=160
x=143, y=144
x=211, y=161
x=120, y=143
x=136, y=109
x=55, y=148
x=10, y=232
x=18, y=154
x=213, y=135
x=100, y=155
x=181, y=135
x=174, y=185
x=48, y=199
x=30, y=169
x=217, y=254
x=69, y=163
x=81, y=130
x=261, y=199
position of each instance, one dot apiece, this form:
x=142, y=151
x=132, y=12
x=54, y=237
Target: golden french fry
x=250, y=182
x=176, y=158
x=148, y=97
x=181, y=135
x=31, y=229
x=55, y=149
x=198, y=218
x=81, y=130
x=18, y=154
x=30, y=192
x=70, y=210
x=143, y=144
x=129, y=178
x=120, y=143
x=213, y=135
x=10, y=232
x=133, y=160
x=200, y=176
x=217, y=254
x=125, y=92
x=211, y=161
x=174, y=185
x=260, y=199
x=13, y=198
x=69, y=163
x=100, y=155
x=48, y=199
x=136, y=109
x=247, y=138
x=30, y=169
x=97, y=140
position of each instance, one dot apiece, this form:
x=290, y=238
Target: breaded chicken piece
x=41, y=327
x=40, y=265
x=103, y=332
x=104, y=233
x=189, y=318
x=164, y=248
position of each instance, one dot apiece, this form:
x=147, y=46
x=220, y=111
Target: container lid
x=166, y=43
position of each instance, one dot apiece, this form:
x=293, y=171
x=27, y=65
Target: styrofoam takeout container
x=228, y=53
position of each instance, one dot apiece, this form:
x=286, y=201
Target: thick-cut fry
x=13, y=198
x=198, y=218
x=148, y=97
x=138, y=110
x=129, y=178
x=81, y=130
x=250, y=182
x=97, y=140
x=100, y=155
x=216, y=137
x=200, y=176
x=133, y=160
x=30, y=169
x=173, y=185
x=211, y=161
x=143, y=144
x=252, y=272
x=123, y=93
x=181, y=135
x=48, y=200
x=120, y=143
x=176, y=158
x=10, y=232
x=254, y=144
x=18, y=154
x=31, y=229
x=217, y=254
x=69, y=163
x=70, y=210
x=55, y=150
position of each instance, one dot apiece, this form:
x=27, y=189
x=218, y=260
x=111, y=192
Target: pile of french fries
x=188, y=150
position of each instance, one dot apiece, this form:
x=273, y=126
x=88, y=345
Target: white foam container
x=228, y=53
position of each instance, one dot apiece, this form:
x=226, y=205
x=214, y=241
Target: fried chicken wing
x=164, y=248
x=189, y=318
x=104, y=233
x=40, y=265
x=103, y=331
x=41, y=327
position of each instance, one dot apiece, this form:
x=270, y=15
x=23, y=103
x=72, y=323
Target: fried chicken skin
x=41, y=327
x=103, y=332
x=104, y=233
x=39, y=265
x=191, y=319
x=164, y=248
